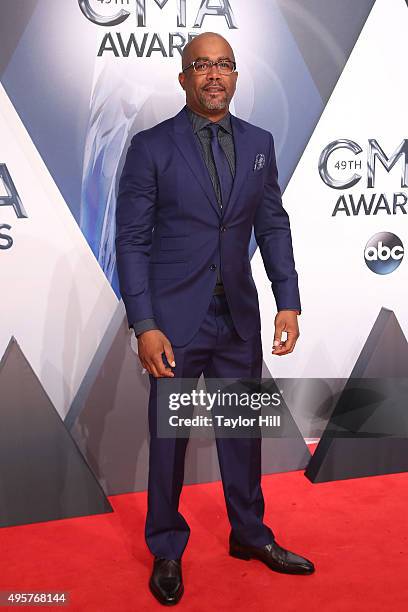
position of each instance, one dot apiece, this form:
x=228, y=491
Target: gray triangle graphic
x=12, y=26
x=43, y=475
x=284, y=454
x=311, y=401
x=325, y=33
x=108, y=419
x=367, y=433
x=385, y=353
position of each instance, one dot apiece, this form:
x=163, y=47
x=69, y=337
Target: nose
x=213, y=71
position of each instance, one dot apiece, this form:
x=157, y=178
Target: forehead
x=211, y=47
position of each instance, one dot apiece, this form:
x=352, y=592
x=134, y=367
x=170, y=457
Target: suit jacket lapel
x=242, y=161
x=188, y=146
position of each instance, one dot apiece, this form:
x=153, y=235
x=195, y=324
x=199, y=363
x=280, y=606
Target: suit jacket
x=171, y=234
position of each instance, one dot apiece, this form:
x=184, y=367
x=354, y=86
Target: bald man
x=202, y=180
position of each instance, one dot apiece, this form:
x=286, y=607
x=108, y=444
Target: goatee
x=213, y=104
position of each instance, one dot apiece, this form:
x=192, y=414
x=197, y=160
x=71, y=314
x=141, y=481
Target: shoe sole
x=237, y=554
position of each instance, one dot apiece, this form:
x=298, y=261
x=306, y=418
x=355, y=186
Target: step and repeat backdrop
x=77, y=80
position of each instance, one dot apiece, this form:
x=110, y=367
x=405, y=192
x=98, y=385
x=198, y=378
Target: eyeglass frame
x=212, y=63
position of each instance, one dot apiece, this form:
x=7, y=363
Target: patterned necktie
x=221, y=163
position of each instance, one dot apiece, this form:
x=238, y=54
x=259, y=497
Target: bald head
x=202, y=45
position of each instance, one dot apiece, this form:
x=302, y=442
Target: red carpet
x=355, y=532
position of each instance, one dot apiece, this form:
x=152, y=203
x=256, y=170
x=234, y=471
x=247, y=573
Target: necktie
x=221, y=163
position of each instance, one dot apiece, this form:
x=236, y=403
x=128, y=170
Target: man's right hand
x=151, y=345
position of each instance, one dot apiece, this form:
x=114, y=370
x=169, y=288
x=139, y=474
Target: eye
x=201, y=66
x=226, y=66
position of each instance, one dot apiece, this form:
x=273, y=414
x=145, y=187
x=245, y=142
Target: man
x=190, y=192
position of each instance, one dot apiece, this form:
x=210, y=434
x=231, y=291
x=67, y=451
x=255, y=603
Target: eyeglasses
x=201, y=66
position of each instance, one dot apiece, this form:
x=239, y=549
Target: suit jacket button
x=223, y=228
x=213, y=267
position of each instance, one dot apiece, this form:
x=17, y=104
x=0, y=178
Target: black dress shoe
x=274, y=556
x=166, y=581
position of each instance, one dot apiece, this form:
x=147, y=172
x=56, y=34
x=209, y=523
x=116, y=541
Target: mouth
x=214, y=89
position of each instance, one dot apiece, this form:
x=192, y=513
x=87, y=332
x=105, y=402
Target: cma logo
x=8, y=197
x=206, y=7
x=374, y=153
x=383, y=253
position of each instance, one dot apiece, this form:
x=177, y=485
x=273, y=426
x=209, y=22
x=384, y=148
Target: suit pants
x=217, y=351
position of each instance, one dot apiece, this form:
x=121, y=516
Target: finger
x=290, y=341
x=286, y=347
x=168, y=351
x=160, y=367
x=279, y=328
x=279, y=350
x=153, y=370
x=143, y=363
x=282, y=350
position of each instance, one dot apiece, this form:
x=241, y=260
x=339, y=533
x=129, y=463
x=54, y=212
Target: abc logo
x=383, y=253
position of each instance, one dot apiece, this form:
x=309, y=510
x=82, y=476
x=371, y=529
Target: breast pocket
x=256, y=175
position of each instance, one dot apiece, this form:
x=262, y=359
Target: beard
x=213, y=102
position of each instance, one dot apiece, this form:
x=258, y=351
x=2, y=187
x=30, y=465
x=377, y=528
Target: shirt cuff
x=292, y=310
x=143, y=326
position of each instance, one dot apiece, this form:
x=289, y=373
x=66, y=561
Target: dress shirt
x=226, y=141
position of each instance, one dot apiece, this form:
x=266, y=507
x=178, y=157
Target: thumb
x=168, y=351
x=279, y=328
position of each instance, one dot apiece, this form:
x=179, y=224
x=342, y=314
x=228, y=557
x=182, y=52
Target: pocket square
x=259, y=161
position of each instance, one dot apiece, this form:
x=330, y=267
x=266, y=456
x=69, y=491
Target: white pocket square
x=259, y=161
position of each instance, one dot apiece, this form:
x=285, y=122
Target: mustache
x=219, y=86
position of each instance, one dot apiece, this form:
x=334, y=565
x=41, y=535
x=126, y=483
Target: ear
x=182, y=78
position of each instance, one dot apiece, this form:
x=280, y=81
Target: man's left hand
x=285, y=321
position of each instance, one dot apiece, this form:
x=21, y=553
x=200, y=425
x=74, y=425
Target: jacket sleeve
x=273, y=236
x=135, y=218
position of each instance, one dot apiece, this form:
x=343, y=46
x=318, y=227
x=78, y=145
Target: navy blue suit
x=171, y=236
